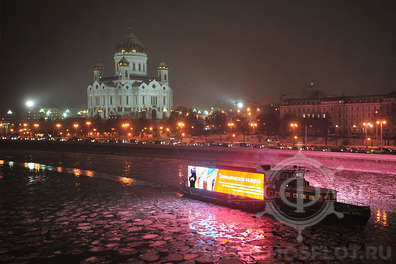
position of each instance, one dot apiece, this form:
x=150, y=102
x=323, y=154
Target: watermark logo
x=291, y=200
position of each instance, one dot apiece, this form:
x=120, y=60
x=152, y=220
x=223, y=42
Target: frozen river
x=80, y=207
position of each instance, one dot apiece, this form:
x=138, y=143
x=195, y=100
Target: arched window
x=140, y=67
x=165, y=76
x=133, y=67
x=126, y=74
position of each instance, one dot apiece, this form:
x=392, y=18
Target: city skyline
x=218, y=52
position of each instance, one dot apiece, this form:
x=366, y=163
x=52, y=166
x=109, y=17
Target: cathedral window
x=127, y=100
x=165, y=76
x=120, y=99
x=154, y=100
x=133, y=67
x=140, y=67
x=126, y=74
x=111, y=100
x=143, y=99
x=164, y=100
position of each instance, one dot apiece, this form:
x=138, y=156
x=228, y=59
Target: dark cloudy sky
x=217, y=51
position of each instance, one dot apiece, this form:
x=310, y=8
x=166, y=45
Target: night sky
x=217, y=51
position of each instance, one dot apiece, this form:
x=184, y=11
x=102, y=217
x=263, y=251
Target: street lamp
x=294, y=126
x=180, y=124
x=381, y=123
x=29, y=104
x=367, y=125
x=253, y=125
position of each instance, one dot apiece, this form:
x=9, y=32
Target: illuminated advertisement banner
x=239, y=183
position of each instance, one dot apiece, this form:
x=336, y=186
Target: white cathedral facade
x=130, y=92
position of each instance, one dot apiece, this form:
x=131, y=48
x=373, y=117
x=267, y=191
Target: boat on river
x=286, y=189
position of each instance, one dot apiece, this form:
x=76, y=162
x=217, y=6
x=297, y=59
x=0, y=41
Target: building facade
x=346, y=114
x=130, y=92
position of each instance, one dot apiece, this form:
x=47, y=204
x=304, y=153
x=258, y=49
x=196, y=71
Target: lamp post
x=75, y=126
x=125, y=126
x=366, y=126
x=381, y=123
x=29, y=104
x=294, y=126
x=231, y=126
x=181, y=125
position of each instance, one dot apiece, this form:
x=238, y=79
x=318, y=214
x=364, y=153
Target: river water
x=71, y=207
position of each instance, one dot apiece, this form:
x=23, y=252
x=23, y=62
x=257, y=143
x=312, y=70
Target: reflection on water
x=381, y=217
x=127, y=181
x=39, y=170
x=212, y=228
x=77, y=172
x=89, y=173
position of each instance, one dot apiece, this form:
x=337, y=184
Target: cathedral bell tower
x=162, y=73
x=124, y=68
x=98, y=72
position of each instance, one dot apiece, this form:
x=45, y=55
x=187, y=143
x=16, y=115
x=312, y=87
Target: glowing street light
x=36, y=125
x=125, y=125
x=29, y=103
x=253, y=124
x=230, y=124
x=240, y=105
x=88, y=123
x=58, y=125
x=293, y=125
x=76, y=125
x=180, y=124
